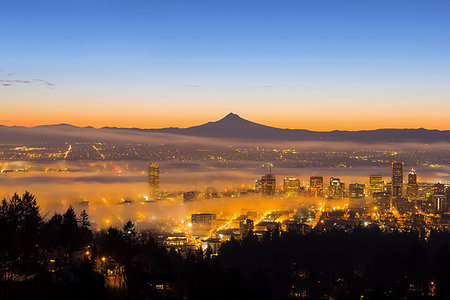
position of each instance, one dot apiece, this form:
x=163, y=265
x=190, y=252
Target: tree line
x=60, y=257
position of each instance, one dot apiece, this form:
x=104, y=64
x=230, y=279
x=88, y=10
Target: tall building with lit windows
x=316, y=185
x=356, y=190
x=153, y=180
x=336, y=189
x=397, y=179
x=412, y=188
x=258, y=185
x=268, y=185
x=291, y=187
x=440, y=198
x=376, y=184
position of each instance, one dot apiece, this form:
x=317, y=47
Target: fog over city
x=106, y=185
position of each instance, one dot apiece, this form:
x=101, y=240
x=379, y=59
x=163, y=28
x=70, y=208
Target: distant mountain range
x=231, y=127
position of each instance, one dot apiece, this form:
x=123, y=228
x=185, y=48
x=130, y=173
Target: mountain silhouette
x=232, y=126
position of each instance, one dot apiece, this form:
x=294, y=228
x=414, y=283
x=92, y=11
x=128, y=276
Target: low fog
x=107, y=184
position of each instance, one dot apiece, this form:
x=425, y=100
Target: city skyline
x=318, y=66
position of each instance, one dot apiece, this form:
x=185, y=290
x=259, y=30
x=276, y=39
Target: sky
x=318, y=65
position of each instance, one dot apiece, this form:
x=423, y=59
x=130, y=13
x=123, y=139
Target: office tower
x=439, y=198
x=439, y=189
x=440, y=203
x=412, y=188
x=203, y=223
x=268, y=185
x=426, y=192
x=382, y=201
x=412, y=177
x=388, y=188
x=375, y=184
x=291, y=187
x=397, y=180
x=245, y=228
x=316, y=185
x=336, y=188
x=153, y=180
x=356, y=190
x=258, y=185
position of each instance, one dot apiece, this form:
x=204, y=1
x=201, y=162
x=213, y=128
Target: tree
x=129, y=230
x=20, y=222
x=70, y=230
x=84, y=219
x=85, y=232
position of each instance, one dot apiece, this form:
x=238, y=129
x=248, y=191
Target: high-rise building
x=412, y=188
x=258, y=185
x=268, y=185
x=382, y=201
x=291, y=187
x=412, y=177
x=439, y=188
x=440, y=198
x=375, y=184
x=397, y=180
x=440, y=203
x=153, y=180
x=356, y=190
x=388, y=188
x=316, y=185
x=336, y=188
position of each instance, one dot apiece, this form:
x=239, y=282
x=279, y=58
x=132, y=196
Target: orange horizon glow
x=324, y=122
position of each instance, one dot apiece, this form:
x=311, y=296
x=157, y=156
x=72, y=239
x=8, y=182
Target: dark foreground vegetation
x=61, y=258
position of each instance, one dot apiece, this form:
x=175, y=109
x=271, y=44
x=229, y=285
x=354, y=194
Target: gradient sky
x=319, y=65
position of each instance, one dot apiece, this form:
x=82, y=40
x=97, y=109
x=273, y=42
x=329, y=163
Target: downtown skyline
x=153, y=64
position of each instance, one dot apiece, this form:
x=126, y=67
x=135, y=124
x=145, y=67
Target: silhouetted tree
x=20, y=222
x=129, y=230
x=84, y=219
x=86, y=236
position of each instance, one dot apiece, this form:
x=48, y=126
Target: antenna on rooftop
x=268, y=166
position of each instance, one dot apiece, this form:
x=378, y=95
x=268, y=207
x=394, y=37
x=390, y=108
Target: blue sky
x=302, y=64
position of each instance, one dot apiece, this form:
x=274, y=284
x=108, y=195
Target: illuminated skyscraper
x=375, y=184
x=412, y=177
x=336, y=189
x=258, y=185
x=412, y=188
x=356, y=190
x=268, y=185
x=397, y=179
x=291, y=187
x=316, y=185
x=153, y=180
x=440, y=203
x=382, y=201
x=440, y=198
x=439, y=189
